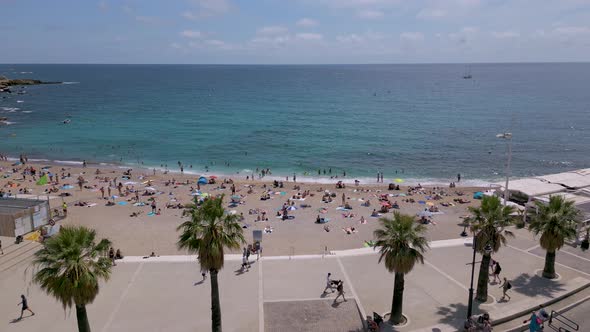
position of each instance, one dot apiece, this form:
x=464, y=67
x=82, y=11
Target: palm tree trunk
x=483, y=278
x=549, y=270
x=82, y=317
x=215, y=306
x=398, y=299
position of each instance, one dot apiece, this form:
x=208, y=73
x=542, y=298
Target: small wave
x=68, y=162
x=9, y=109
x=70, y=82
x=37, y=160
x=27, y=111
x=20, y=101
x=8, y=123
x=26, y=72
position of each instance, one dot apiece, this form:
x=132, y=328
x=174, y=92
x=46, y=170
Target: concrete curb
x=524, y=327
x=550, y=302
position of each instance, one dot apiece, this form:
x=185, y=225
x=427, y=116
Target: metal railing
x=570, y=324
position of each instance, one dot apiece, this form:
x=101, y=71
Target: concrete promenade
x=282, y=293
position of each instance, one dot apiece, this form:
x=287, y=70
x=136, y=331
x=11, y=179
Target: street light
x=508, y=137
x=487, y=249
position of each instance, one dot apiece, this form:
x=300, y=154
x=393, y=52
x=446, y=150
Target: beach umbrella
x=204, y=195
x=202, y=180
x=130, y=183
x=213, y=177
x=292, y=208
x=398, y=180
x=384, y=203
x=236, y=198
x=150, y=189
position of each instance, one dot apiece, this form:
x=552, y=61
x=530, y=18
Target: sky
x=293, y=31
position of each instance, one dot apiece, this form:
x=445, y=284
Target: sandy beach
x=146, y=233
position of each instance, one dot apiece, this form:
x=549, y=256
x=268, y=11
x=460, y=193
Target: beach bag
x=509, y=286
x=539, y=320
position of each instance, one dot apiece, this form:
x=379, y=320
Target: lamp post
x=508, y=137
x=487, y=250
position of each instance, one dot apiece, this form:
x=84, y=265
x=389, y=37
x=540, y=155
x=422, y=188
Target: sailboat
x=467, y=74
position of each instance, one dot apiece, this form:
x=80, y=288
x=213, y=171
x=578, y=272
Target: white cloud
x=207, y=8
x=148, y=19
x=176, y=46
x=465, y=35
x=103, y=5
x=309, y=36
x=505, y=34
x=570, y=31
x=191, y=34
x=272, y=30
x=307, y=22
x=351, y=38
x=431, y=13
x=370, y=14
x=412, y=36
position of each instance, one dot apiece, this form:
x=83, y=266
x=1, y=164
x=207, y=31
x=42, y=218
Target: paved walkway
x=167, y=294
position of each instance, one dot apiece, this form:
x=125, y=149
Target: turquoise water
x=422, y=120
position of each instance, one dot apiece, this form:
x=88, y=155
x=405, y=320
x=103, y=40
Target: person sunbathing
x=374, y=213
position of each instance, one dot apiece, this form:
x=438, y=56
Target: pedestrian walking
x=1, y=250
x=340, y=290
x=534, y=322
x=328, y=283
x=25, y=306
x=506, y=286
x=244, y=263
x=497, y=270
x=112, y=256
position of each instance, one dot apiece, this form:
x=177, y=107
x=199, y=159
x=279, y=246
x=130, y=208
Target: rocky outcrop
x=5, y=82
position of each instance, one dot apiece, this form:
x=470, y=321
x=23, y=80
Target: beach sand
x=145, y=234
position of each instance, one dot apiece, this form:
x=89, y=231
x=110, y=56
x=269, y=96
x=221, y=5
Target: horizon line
x=296, y=64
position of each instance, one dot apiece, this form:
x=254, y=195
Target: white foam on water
x=70, y=82
x=68, y=162
x=27, y=111
x=8, y=123
x=20, y=101
x=9, y=109
x=26, y=72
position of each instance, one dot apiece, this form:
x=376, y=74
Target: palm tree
x=556, y=222
x=488, y=223
x=401, y=243
x=71, y=265
x=208, y=232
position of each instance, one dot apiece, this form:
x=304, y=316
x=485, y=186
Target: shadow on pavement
x=533, y=285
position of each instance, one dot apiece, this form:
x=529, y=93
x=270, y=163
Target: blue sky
x=293, y=31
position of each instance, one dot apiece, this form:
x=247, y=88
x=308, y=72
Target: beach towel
x=139, y=204
x=43, y=180
x=151, y=214
x=122, y=203
x=340, y=208
x=91, y=205
x=67, y=186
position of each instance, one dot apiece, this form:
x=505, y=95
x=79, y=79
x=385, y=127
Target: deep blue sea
x=415, y=122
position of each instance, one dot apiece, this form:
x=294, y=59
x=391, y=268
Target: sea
x=420, y=123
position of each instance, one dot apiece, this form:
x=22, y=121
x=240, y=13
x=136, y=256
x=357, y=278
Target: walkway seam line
x=260, y=297
x=556, y=263
x=572, y=254
x=121, y=298
x=358, y=301
x=444, y=274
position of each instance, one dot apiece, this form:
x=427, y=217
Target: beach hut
x=20, y=216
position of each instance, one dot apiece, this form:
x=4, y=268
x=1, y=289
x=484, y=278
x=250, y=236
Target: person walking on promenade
x=534, y=322
x=497, y=270
x=506, y=286
x=340, y=289
x=328, y=283
x=25, y=306
x=1, y=250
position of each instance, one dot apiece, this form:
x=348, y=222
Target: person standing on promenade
x=328, y=283
x=506, y=286
x=534, y=322
x=25, y=306
x=1, y=250
x=340, y=289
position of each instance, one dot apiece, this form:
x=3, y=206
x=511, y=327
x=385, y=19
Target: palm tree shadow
x=455, y=313
x=532, y=285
